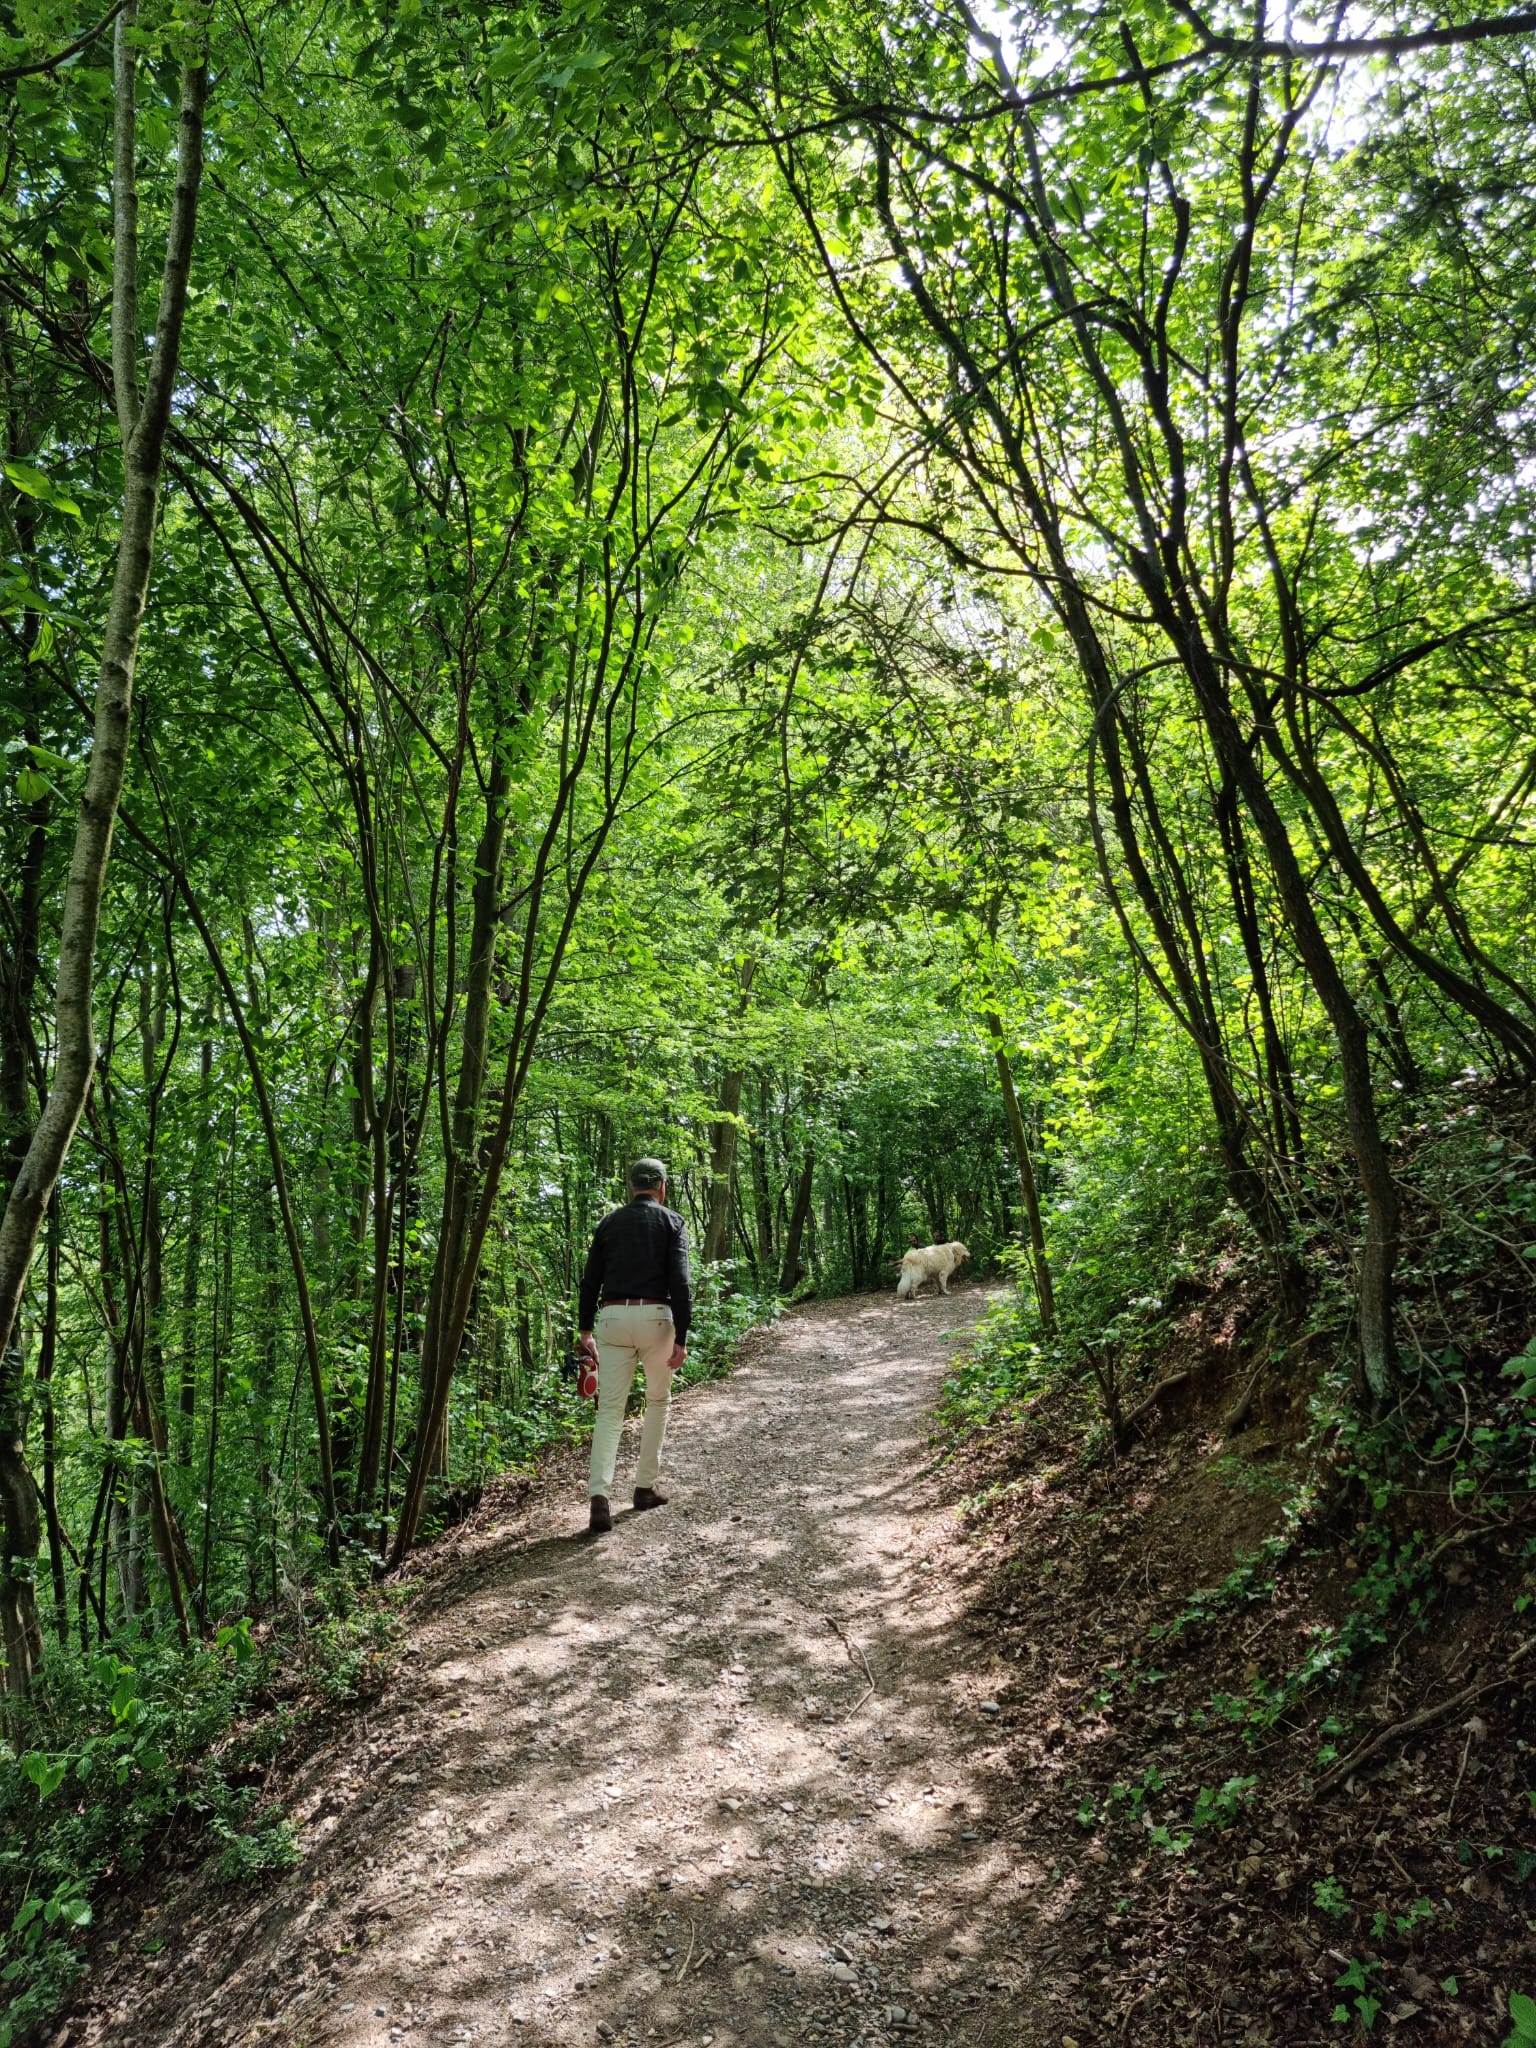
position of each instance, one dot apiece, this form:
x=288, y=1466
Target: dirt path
x=639, y=1789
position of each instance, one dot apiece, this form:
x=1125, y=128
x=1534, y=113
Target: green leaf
x=46, y=1772
x=36, y=484
x=235, y=1637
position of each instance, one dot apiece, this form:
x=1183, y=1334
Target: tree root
x=1413, y=1724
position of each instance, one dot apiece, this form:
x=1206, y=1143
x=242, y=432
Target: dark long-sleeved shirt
x=639, y=1252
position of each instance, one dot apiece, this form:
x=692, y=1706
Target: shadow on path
x=723, y=1776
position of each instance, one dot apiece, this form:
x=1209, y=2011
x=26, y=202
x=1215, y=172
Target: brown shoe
x=602, y=1517
x=648, y=1497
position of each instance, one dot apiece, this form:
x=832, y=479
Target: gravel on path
x=727, y=1777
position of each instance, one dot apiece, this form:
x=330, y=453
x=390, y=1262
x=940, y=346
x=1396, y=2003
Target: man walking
x=638, y=1270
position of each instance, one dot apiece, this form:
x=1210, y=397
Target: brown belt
x=635, y=1301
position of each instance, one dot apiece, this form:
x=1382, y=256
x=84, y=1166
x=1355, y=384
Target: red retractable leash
x=586, y=1371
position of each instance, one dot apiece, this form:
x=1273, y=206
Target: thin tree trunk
x=1028, y=1186
x=143, y=421
x=789, y=1272
x=397, y=1344
x=152, y=1229
x=723, y=1136
x=1383, y=1203
x=762, y=1205
x=279, y=1187
x=377, y=1114
x=739, y=1225
x=123, y=1515
x=376, y=1395
x=461, y=1177
x=19, y=1540
x=146, y=1353
x=186, y=1390
x=46, y=1359
x=722, y=1166
x=223, y=1226
x=1188, y=998
x=1280, y=1083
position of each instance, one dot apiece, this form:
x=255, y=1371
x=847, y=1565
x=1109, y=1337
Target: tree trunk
x=186, y=1391
x=789, y=1272
x=47, y=1356
x=378, y=1112
x=722, y=1163
x=1028, y=1187
x=125, y=1511
x=151, y=1224
x=280, y=1189
x=20, y=1634
x=143, y=420
x=1280, y=1086
x=1378, y=1367
x=762, y=1203
x=457, y=1252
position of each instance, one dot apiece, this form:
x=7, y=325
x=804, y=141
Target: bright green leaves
x=64, y=1907
x=36, y=483
x=512, y=58
x=235, y=1638
x=47, y=1773
x=35, y=764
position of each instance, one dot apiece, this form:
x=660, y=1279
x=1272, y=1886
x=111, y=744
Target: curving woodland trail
x=727, y=1776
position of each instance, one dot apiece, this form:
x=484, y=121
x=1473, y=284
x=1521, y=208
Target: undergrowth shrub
x=335, y=1644
x=106, y=1753
x=1138, y=1210
x=109, y=1751
x=723, y=1314
x=495, y=1438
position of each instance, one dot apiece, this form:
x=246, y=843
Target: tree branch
x=1482, y=30
x=59, y=57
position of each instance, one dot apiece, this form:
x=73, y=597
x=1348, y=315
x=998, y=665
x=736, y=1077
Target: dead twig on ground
x=693, y=1930
x=1140, y=1999
x=1461, y=1772
x=1253, y=1635
x=1414, y=1724
x=853, y=1651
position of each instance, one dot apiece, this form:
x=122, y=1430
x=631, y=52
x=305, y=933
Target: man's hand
x=587, y=1344
x=678, y=1359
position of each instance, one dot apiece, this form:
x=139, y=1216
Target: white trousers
x=627, y=1338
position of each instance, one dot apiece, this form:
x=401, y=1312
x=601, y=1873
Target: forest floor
x=848, y=1747
x=724, y=1776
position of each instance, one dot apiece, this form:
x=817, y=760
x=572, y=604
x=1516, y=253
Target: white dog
x=931, y=1262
